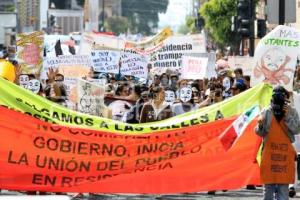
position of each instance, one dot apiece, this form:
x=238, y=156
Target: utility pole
x=281, y=12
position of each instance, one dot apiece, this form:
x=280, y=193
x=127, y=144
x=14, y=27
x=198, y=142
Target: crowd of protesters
x=159, y=97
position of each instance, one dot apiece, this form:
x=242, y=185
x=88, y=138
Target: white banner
x=134, y=65
x=170, y=55
x=105, y=61
x=194, y=67
x=276, y=56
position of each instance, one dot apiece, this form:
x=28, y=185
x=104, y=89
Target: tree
x=217, y=15
x=188, y=26
x=116, y=24
x=143, y=15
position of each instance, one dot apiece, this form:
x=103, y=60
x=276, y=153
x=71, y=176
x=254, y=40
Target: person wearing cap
x=278, y=125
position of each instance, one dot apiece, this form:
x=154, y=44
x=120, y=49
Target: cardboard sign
x=193, y=67
x=72, y=67
x=134, y=65
x=90, y=98
x=106, y=61
x=276, y=57
x=30, y=52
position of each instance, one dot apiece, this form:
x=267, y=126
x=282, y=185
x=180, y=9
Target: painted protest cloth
x=30, y=52
x=53, y=158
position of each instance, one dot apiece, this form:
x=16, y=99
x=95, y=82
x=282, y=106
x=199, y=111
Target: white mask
x=169, y=97
x=23, y=80
x=185, y=94
x=226, y=83
x=34, y=86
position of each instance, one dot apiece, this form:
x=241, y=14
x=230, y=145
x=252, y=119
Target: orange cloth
x=278, y=156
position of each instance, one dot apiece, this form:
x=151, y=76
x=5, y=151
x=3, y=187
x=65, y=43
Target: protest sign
x=72, y=67
x=105, y=61
x=30, y=52
x=90, y=98
x=53, y=158
x=244, y=62
x=276, y=57
x=134, y=65
x=70, y=61
x=22, y=100
x=193, y=67
x=169, y=56
x=56, y=45
x=211, y=65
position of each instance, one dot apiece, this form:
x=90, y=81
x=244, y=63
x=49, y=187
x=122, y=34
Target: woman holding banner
x=277, y=126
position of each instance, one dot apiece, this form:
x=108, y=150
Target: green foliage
x=188, y=26
x=143, y=14
x=217, y=15
x=116, y=24
x=183, y=29
x=190, y=22
x=10, y=8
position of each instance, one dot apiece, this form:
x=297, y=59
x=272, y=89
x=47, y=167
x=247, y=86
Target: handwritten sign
x=193, y=67
x=106, y=61
x=134, y=65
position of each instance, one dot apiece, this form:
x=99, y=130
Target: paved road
x=242, y=194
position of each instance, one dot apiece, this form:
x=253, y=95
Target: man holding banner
x=278, y=125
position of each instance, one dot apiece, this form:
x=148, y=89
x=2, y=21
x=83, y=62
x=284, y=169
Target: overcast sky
x=175, y=14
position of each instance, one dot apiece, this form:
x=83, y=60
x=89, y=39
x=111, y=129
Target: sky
x=175, y=14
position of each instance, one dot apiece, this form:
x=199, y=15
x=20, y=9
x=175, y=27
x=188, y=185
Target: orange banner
x=39, y=156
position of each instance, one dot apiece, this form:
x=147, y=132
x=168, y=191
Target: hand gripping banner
x=36, y=155
x=20, y=99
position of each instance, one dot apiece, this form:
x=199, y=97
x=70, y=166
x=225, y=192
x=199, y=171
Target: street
x=237, y=194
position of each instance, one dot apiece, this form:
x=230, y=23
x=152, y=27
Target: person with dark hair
x=136, y=93
x=122, y=91
x=278, y=125
x=247, y=81
x=134, y=114
x=156, y=109
x=238, y=72
x=55, y=89
x=164, y=80
x=174, y=79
